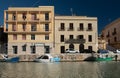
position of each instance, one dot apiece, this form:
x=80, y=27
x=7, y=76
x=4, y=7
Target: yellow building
x=76, y=32
x=30, y=30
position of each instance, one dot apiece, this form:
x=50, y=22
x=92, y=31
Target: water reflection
x=60, y=70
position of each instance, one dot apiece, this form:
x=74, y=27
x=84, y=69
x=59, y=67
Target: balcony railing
x=80, y=29
x=43, y=20
x=114, y=33
x=107, y=35
x=89, y=29
x=70, y=29
x=29, y=32
x=28, y=20
x=81, y=41
x=61, y=29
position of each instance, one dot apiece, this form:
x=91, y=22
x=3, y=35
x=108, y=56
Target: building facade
x=30, y=30
x=102, y=43
x=75, y=32
x=111, y=34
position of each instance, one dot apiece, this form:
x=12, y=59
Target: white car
x=71, y=51
x=47, y=58
x=118, y=50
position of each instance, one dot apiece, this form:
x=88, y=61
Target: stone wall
x=67, y=57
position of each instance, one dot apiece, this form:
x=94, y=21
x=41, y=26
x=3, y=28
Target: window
x=14, y=49
x=33, y=16
x=90, y=38
x=71, y=26
x=14, y=16
x=14, y=36
x=80, y=36
x=71, y=46
x=114, y=29
x=62, y=38
x=114, y=32
x=115, y=39
x=33, y=27
x=24, y=27
x=47, y=37
x=81, y=27
x=89, y=26
x=71, y=37
x=62, y=48
x=46, y=16
x=24, y=48
x=23, y=36
x=47, y=49
x=62, y=26
x=46, y=27
x=32, y=36
x=33, y=49
x=14, y=27
x=24, y=16
x=108, y=35
x=109, y=41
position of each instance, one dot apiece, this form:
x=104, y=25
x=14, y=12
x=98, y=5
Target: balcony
x=29, y=32
x=61, y=29
x=70, y=29
x=80, y=29
x=10, y=20
x=89, y=29
x=107, y=35
x=45, y=21
x=114, y=33
x=80, y=41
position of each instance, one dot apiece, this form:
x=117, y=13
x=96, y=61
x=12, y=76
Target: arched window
x=71, y=46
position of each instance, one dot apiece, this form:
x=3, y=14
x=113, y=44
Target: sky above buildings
x=105, y=10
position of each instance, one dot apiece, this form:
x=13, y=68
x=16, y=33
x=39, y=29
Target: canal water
x=60, y=70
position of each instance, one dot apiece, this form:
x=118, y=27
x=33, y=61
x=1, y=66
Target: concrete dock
x=68, y=57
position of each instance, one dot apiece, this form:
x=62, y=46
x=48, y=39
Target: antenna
x=36, y=2
x=71, y=11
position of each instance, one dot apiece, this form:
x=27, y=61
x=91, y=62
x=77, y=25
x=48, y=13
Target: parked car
x=47, y=58
x=71, y=51
x=102, y=51
x=87, y=51
x=118, y=51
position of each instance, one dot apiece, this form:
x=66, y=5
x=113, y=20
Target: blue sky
x=105, y=10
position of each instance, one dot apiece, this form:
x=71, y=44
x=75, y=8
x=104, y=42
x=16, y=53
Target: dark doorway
x=90, y=48
x=62, y=48
x=81, y=48
x=71, y=46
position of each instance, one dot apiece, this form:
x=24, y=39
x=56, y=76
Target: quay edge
x=65, y=57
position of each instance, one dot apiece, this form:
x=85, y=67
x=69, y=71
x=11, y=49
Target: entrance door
x=71, y=46
x=90, y=48
x=81, y=48
x=62, y=49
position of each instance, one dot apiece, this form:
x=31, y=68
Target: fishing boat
x=5, y=58
x=104, y=58
x=47, y=58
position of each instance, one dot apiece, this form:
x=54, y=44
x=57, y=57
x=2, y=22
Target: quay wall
x=66, y=57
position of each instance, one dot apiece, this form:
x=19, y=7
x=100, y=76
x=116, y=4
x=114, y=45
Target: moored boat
x=5, y=58
x=104, y=59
